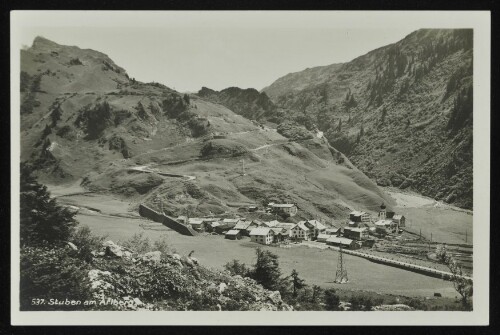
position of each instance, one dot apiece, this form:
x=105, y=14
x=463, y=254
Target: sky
x=188, y=50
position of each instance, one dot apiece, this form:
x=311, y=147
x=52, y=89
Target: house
x=358, y=216
x=322, y=237
x=223, y=227
x=253, y=224
x=231, y=221
x=332, y=231
x=301, y=232
x=197, y=224
x=210, y=227
x=270, y=224
x=399, y=220
x=315, y=227
x=341, y=242
x=287, y=228
x=252, y=208
x=287, y=209
x=233, y=234
x=382, y=226
x=279, y=234
x=262, y=235
x=242, y=226
x=358, y=234
x=209, y=220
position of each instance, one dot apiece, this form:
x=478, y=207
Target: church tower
x=382, y=214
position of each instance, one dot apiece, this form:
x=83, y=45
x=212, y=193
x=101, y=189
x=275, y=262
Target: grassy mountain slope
x=401, y=113
x=72, y=129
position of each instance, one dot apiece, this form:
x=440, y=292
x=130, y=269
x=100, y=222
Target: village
x=359, y=230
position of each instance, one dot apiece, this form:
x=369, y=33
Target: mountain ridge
x=410, y=102
x=83, y=118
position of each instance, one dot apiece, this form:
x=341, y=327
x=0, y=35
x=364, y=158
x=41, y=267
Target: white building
x=315, y=227
x=289, y=209
x=301, y=232
x=262, y=235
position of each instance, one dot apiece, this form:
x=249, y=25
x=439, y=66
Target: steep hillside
x=401, y=113
x=249, y=103
x=83, y=118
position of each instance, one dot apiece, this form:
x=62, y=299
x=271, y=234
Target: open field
x=446, y=223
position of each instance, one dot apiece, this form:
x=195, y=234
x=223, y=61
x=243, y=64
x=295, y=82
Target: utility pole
x=420, y=234
x=341, y=274
x=465, y=235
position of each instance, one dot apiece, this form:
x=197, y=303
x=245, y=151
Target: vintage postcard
x=250, y=168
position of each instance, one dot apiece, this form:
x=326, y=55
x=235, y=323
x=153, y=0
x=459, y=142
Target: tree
x=339, y=128
x=316, y=292
x=186, y=99
x=266, y=270
x=461, y=284
x=237, y=268
x=297, y=283
x=42, y=220
x=332, y=300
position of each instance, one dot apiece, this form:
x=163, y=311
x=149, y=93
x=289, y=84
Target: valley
x=380, y=146
x=117, y=220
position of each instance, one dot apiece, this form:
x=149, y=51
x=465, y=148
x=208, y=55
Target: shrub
x=331, y=300
x=139, y=243
x=236, y=268
x=48, y=273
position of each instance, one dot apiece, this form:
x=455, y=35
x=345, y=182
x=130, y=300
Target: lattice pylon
x=341, y=274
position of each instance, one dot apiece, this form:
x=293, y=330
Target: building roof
x=271, y=224
x=331, y=231
x=323, y=236
x=301, y=225
x=231, y=220
x=257, y=222
x=398, y=216
x=260, y=231
x=357, y=230
x=352, y=223
x=242, y=225
x=233, y=232
x=316, y=224
x=214, y=224
x=357, y=213
x=288, y=225
x=383, y=222
x=339, y=240
x=278, y=230
x=211, y=219
x=272, y=204
x=195, y=221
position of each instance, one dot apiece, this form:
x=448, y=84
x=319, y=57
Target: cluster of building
x=353, y=235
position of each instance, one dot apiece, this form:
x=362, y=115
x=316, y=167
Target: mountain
x=249, y=103
x=401, y=113
x=84, y=119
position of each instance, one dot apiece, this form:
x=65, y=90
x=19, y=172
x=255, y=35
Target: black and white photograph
x=183, y=164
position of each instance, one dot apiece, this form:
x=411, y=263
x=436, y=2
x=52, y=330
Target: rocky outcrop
x=169, y=281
